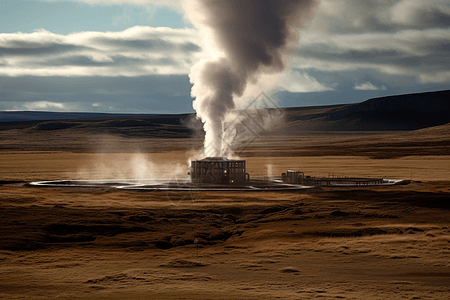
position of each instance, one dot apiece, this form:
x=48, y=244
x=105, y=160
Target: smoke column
x=243, y=40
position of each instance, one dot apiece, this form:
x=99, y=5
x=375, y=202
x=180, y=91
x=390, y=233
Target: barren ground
x=333, y=243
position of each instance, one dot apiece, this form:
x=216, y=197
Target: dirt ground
x=332, y=243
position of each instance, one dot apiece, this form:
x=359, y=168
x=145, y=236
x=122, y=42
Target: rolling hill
x=403, y=112
x=416, y=124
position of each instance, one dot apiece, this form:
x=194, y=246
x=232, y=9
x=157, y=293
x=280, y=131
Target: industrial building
x=224, y=171
x=296, y=177
x=222, y=174
x=219, y=170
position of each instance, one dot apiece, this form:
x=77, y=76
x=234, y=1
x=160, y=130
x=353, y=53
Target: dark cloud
x=431, y=19
x=116, y=61
x=400, y=44
x=190, y=47
x=421, y=54
x=423, y=63
x=149, y=45
x=358, y=16
x=137, y=51
x=25, y=49
x=350, y=56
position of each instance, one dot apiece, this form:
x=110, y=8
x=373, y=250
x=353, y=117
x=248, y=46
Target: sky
x=134, y=56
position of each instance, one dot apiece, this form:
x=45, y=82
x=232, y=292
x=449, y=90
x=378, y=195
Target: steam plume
x=244, y=39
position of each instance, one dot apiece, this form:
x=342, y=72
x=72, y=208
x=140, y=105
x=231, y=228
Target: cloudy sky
x=135, y=55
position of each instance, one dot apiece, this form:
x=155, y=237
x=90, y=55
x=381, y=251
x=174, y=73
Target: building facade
x=218, y=170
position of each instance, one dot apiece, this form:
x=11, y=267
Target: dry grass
x=331, y=243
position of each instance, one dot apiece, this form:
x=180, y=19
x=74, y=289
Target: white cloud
x=44, y=105
x=137, y=51
x=297, y=82
x=368, y=86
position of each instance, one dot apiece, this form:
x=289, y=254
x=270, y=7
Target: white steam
x=136, y=166
x=245, y=42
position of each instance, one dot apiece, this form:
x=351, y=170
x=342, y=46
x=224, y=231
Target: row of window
x=219, y=165
x=199, y=171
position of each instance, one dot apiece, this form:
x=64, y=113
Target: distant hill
x=402, y=112
x=387, y=127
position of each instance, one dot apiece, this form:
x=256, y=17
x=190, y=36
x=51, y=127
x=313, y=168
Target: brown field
x=332, y=243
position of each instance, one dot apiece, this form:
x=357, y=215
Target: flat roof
x=217, y=159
